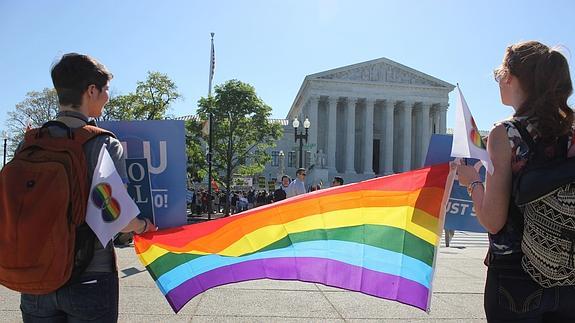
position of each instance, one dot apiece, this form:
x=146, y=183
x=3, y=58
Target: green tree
x=241, y=133
x=197, y=166
x=37, y=108
x=150, y=101
x=120, y=107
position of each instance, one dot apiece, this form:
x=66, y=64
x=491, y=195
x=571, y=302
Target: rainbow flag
x=378, y=237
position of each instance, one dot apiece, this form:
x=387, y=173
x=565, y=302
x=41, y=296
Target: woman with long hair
x=533, y=79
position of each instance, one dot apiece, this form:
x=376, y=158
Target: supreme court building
x=368, y=119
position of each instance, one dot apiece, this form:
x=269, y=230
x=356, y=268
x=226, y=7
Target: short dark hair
x=74, y=73
x=285, y=176
x=300, y=170
x=338, y=179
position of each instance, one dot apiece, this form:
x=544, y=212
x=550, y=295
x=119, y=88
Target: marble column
x=332, y=132
x=313, y=128
x=442, y=118
x=388, y=111
x=381, y=122
x=407, y=107
x=425, y=123
x=350, y=137
x=368, y=137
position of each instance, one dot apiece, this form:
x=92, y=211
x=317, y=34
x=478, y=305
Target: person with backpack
x=526, y=205
x=280, y=193
x=74, y=277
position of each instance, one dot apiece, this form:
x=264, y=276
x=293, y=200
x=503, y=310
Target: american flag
x=212, y=63
x=206, y=128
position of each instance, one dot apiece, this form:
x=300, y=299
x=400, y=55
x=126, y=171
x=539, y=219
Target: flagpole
x=463, y=160
x=210, y=138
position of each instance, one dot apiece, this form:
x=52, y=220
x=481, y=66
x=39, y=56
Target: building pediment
x=383, y=71
x=370, y=79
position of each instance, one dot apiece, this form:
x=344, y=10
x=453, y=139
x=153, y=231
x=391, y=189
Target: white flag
x=467, y=141
x=28, y=125
x=110, y=208
x=206, y=128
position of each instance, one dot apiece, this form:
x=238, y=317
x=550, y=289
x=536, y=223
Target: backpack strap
x=525, y=135
x=81, y=135
x=87, y=132
x=514, y=212
x=562, y=143
x=56, y=123
x=40, y=132
x=78, y=136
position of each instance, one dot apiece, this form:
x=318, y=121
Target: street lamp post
x=5, y=137
x=301, y=136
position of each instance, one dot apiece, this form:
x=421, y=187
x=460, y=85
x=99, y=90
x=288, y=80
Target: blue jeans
x=93, y=299
x=512, y=296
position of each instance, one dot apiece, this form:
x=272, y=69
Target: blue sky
x=273, y=45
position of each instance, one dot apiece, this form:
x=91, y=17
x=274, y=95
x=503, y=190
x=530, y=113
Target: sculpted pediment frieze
x=380, y=72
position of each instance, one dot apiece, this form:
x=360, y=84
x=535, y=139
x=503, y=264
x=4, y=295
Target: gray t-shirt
x=296, y=187
x=104, y=258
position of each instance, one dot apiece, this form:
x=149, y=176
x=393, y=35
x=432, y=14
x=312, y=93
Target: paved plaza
x=457, y=296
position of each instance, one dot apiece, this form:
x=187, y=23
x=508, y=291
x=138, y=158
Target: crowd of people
x=242, y=200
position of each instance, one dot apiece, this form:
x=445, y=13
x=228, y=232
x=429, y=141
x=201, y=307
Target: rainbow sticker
x=475, y=136
x=102, y=198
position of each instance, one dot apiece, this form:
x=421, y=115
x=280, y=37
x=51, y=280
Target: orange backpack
x=44, y=193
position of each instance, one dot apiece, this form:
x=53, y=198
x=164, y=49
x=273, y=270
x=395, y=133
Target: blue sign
x=162, y=144
x=139, y=186
x=459, y=210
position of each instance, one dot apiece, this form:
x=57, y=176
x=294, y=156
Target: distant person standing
x=234, y=202
x=198, y=201
x=251, y=199
x=297, y=186
x=337, y=181
x=280, y=193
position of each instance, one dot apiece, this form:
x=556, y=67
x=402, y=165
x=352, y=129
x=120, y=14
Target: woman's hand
x=491, y=202
x=140, y=226
x=148, y=226
x=467, y=174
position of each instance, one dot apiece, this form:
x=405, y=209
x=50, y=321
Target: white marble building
x=368, y=119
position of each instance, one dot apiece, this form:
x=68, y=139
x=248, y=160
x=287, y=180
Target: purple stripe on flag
x=317, y=270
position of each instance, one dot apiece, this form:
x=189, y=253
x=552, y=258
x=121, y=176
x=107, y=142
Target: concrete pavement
x=457, y=296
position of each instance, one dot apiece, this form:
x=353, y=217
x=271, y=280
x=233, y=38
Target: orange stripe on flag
x=424, y=185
